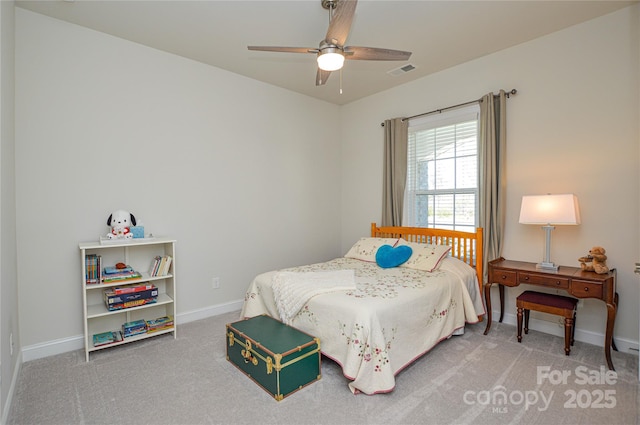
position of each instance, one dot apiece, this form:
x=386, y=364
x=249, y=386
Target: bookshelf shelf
x=130, y=339
x=140, y=255
x=98, y=310
x=145, y=278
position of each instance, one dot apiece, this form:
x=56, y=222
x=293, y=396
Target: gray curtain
x=492, y=173
x=395, y=170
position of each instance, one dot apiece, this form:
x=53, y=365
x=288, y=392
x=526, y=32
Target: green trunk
x=279, y=358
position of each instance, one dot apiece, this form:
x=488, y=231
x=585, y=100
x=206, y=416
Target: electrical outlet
x=215, y=282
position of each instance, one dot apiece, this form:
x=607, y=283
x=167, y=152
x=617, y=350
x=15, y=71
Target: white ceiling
x=441, y=34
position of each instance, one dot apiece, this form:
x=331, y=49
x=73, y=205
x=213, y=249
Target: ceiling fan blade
x=341, y=22
x=322, y=76
x=375, y=54
x=284, y=49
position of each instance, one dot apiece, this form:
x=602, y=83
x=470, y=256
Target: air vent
x=401, y=70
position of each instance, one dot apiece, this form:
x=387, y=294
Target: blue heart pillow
x=388, y=256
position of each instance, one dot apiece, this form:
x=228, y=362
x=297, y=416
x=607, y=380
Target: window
x=442, y=170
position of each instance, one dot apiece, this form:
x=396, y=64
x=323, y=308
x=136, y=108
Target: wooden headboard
x=465, y=246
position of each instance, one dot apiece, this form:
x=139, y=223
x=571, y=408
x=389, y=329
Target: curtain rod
x=438, y=111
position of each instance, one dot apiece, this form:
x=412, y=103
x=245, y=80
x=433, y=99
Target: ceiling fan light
x=330, y=61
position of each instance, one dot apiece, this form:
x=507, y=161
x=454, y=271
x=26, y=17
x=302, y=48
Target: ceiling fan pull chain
x=340, y=80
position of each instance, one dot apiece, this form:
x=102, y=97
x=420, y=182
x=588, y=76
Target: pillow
x=366, y=248
x=425, y=257
x=388, y=256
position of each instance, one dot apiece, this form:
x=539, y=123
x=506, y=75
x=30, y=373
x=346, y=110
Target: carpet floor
x=468, y=379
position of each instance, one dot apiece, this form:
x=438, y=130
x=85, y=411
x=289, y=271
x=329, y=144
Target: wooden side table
x=575, y=281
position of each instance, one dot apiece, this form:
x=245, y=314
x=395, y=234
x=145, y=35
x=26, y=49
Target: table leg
x=612, y=309
x=487, y=303
x=501, y=290
x=519, y=316
x=613, y=341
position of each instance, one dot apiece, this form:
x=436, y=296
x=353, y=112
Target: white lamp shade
x=550, y=209
x=330, y=61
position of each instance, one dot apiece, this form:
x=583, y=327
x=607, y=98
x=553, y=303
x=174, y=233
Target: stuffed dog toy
x=120, y=222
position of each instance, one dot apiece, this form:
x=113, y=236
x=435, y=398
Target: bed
x=375, y=321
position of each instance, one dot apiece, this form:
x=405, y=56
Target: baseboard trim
x=65, y=345
x=553, y=328
x=52, y=348
x=203, y=313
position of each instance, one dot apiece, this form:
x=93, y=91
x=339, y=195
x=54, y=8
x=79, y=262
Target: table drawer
x=537, y=279
x=504, y=277
x=584, y=289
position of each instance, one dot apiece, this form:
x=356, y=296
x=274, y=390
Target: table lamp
x=549, y=210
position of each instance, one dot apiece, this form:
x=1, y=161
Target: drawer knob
x=526, y=278
x=586, y=289
x=558, y=282
x=504, y=277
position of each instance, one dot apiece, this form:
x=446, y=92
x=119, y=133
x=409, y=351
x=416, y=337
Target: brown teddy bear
x=596, y=261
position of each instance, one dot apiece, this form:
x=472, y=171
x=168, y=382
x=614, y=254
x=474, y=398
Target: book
x=109, y=270
x=159, y=324
x=92, y=268
x=131, y=288
x=135, y=332
x=159, y=321
x=106, y=338
x=134, y=324
x=115, y=275
x=112, y=298
x=166, y=266
x=160, y=266
x=119, y=277
x=163, y=260
x=154, y=266
x=136, y=327
x=99, y=268
x=130, y=304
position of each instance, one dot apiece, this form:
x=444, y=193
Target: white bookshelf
x=139, y=254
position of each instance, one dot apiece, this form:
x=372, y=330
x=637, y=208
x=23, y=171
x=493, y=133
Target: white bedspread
x=292, y=290
x=390, y=318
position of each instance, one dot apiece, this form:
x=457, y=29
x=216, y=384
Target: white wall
x=236, y=170
x=9, y=332
x=572, y=128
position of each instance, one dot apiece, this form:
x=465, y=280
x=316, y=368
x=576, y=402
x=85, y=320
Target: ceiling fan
x=332, y=52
